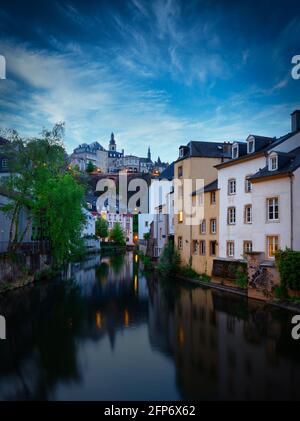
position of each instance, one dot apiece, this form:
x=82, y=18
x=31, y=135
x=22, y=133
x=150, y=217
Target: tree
x=169, y=261
x=90, y=167
x=40, y=185
x=117, y=234
x=102, y=228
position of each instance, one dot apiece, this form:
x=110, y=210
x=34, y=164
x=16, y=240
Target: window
x=180, y=216
x=272, y=209
x=146, y=223
x=160, y=233
x=248, y=184
x=250, y=146
x=202, y=247
x=195, y=247
x=180, y=171
x=180, y=243
x=213, y=226
x=203, y=227
x=248, y=214
x=232, y=186
x=213, y=248
x=213, y=198
x=273, y=163
x=247, y=246
x=231, y=216
x=181, y=152
x=4, y=163
x=272, y=245
x=235, y=151
x=230, y=248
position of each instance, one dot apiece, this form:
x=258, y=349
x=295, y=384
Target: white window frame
x=230, y=248
x=252, y=143
x=248, y=184
x=248, y=249
x=235, y=151
x=273, y=159
x=230, y=212
x=246, y=219
x=271, y=201
x=213, y=226
x=203, y=227
x=231, y=184
x=213, y=198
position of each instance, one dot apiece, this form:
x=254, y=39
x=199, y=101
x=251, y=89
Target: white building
x=94, y=153
x=89, y=228
x=145, y=220
x=259, y=195
x=125, y=220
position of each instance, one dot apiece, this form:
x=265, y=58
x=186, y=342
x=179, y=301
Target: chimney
x=227, y=147
x=295, y=120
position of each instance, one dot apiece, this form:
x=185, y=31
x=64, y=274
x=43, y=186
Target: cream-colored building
x=197, y=160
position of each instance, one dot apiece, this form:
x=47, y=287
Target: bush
x=146, y=235
x=241, y=279
x=280, y=292
x=189, y=272
x=146, y=261
x=169, y=261
x=288, y=262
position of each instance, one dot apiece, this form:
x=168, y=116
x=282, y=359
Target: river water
x=114, y=333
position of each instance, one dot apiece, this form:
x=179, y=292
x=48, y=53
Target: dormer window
x=251, y=145
x=181, y=152
x=235, y=151
x=273, y=163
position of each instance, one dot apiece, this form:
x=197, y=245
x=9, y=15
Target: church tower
x=149, y=154
x=112, y=143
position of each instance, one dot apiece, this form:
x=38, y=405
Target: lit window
x=273, y=209
x=203, y=227
x=213, y=226
x=248, y=184
x=230, y=248
x=180, y=216
x=273, y=163
x=180, y=243
x=272, y=245
x=248, y=214
x=235, y=151
x=231, y=216
x=213, y=198
x=247, y=246
x=202, y=248
x=232, y=186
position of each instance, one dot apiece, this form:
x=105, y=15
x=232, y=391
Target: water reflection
x=115, y=333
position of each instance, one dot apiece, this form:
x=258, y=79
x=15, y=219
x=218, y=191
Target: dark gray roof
x=205, y=149
x=287, y=163
x=208, y=188
x=168, y=173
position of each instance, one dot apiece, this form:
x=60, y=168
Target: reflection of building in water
x=188, y=330
x=251, y=364
x=224, y=347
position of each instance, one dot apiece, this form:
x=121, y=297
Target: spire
x=149, y=154
x=112, y=138
x=112, y=143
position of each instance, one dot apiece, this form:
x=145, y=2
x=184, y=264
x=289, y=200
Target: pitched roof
x=168, y=173
x=208, y=188
x=287, y=163
x=205, y=149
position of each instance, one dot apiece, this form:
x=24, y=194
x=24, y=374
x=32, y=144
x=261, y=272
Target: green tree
x=169, y=261
x=117, y=234
x=102, y=228
x=90, y=167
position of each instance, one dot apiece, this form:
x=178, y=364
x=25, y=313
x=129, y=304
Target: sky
x=154, y=72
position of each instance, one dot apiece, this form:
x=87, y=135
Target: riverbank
x=283, y=304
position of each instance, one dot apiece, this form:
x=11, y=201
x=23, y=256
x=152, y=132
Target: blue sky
x=157, y=73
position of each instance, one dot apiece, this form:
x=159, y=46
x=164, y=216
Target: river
x=114, y=333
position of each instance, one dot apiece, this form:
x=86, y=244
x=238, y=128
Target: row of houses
x=249, y=197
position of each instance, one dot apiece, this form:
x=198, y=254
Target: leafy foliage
x=288, y=262
x=117, y=235
x=102, y=228
x=90, y=167
x=169, y=261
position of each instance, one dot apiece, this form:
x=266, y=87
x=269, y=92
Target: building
x=197, y=160
x=94, y=153
x=259, y=195
x=113, y=155
x=129, y=163
x=205, y=237
x=125, y=220
x=146, y=164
